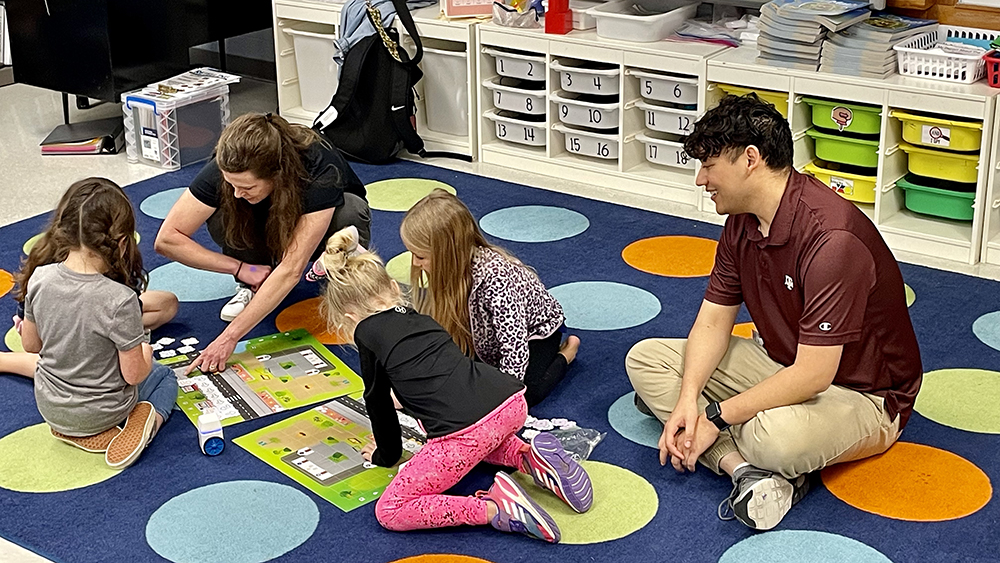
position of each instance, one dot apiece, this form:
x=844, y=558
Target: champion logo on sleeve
x=825, y=326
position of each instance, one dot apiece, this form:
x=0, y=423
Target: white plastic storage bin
x=171, y=130
x=668, y=119
x=577, y=109
x=680, y=90
x=318, y=73
x=517, y=98
x=665, y=152
x=525, y=66
x=589, y=143
x=621, y=20
x=919, y=57
x=446, y=88
x=600, y=79
x=517, y=130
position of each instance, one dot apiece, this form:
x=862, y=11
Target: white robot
x=210, y=434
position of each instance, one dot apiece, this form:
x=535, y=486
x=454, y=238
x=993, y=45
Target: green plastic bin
x=845, y=150
x=950, y=204
x=852, y=118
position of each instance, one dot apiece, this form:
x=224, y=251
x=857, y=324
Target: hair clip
x=318, y=271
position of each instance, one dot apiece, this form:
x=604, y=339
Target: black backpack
x=373, y=109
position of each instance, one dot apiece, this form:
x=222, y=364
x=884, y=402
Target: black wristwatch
x=714, y=413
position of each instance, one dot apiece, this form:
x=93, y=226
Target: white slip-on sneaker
x=236, y=305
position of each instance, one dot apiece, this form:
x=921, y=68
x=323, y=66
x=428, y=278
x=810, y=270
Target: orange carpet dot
x=305, y=314
x=744, y=330
x=6, y=282
x=441, y=558
x=911, y=482
x=672, y=256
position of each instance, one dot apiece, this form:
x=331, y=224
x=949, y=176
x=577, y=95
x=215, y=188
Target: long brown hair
x=442, y=228
x=93, y=213
x=271, y=149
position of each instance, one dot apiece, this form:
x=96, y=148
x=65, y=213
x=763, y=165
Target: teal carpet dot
x=632, y=424
x=800, y=546
x=158, y=205
x=232, y=522
x=987, y=329
x=534, y=223
x=596, y=305
x=190, y=284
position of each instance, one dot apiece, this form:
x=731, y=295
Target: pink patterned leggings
x=414, y=501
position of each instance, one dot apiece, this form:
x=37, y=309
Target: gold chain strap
x=386, y=40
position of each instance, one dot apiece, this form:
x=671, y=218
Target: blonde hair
x=93, y=213
x=271, y=149
x=357, y=284
x=443, y=229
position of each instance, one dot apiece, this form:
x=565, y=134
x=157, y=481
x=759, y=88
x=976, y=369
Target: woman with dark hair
x=271, y=196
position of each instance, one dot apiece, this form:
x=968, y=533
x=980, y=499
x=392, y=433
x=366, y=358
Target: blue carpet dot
x=233, y=522
x=797, y=546
x=190, y=284
x=534, y=223
x=987, y=329
x=605, y=305
x=158, y=205
x=632, y=424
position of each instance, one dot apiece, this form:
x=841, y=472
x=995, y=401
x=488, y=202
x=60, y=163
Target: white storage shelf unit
x=611, y=158
x=901, y=228
x=306, y=16
x=325, y=17
x=991, y=226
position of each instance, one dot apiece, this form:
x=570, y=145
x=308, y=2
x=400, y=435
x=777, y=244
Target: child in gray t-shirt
x=80, y=288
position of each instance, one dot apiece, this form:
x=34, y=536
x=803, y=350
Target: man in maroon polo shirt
x=838, y=369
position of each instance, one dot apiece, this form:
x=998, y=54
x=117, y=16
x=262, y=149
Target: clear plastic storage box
x=178, y=121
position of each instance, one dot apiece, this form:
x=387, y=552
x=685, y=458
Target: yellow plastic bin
x=940, y=133
x=855, y=187
x=779, y=99
x=942, y=165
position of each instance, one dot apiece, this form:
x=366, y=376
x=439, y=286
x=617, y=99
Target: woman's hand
x=368, y=450
x=213, y=359
x=253, y=274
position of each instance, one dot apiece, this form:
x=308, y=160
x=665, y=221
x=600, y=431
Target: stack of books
x=865, y=49
x=91, y=137
x=792, y=32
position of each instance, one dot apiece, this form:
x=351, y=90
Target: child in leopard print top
x=492, y=304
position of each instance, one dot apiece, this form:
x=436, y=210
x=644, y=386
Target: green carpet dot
x=623, y=503
x=32, y=461
x=961, y=398
x=13, y=341
x=401, y=194
x=399, y=267
x=910, y=295
x=956, y=398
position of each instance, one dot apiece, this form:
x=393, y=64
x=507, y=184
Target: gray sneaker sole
x=764, y=504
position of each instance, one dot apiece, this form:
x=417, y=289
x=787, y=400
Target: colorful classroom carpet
x=622, y=275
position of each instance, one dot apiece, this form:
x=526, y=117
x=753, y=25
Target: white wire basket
x=915, y=57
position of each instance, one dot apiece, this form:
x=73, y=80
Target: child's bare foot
x=569, y=348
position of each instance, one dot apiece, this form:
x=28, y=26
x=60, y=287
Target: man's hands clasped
x=686, y=435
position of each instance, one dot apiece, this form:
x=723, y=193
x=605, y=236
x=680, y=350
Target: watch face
x=712, y=411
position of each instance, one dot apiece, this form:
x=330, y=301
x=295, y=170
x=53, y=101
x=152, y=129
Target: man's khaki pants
x=836, y=425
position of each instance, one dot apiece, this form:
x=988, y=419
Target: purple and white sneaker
x=553, y=469
x=516, y=512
